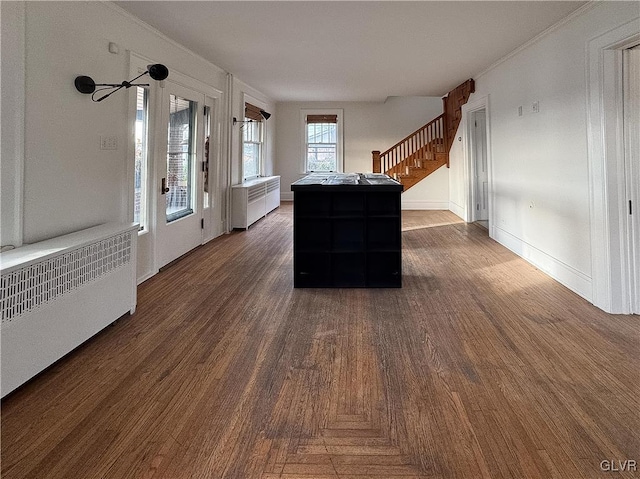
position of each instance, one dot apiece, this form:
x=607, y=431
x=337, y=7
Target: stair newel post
x=376, y=161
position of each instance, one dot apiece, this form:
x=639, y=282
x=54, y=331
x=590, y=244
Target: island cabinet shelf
x=347, y=235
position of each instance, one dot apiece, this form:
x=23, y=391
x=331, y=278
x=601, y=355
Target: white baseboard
x=575, y=280
x=424, y=205
x=145, y=277
x=286, y=196
x=456, y=209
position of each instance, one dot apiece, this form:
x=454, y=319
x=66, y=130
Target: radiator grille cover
x=255, y=192
x=273, y=185
x=28, y=288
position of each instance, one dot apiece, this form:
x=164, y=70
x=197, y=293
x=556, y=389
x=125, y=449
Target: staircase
x=425, y=150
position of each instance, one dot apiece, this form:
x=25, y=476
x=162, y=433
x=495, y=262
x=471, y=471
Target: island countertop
x=346, y=182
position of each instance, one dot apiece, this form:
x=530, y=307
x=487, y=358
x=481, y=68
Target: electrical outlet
x=108, y=142
x=520, y=111
x=535, y=107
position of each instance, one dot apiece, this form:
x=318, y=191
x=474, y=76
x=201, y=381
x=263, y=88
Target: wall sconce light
x=85, y=84
x=264, y=114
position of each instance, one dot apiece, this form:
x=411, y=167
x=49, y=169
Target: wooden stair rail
x=422, y=144
x=427, y=148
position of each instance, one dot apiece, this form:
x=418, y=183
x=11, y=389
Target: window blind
x=252, y=112
x=322, y=119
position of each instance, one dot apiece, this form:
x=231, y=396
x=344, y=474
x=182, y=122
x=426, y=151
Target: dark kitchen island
x=347, y=231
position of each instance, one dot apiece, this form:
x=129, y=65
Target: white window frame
x=260, y=104
x=261, y=134
x=339, y=136
x=145, y=180
x=137, y=65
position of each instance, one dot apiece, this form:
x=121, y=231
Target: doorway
x=613, y=170
x=177, y=194
x=477, y=162
x=480, y=174
x=631, y=119
x=179, y=208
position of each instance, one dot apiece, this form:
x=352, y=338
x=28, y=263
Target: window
x=141, y=156
x=322, y=141
x=180, y=155
x=207, y=154
x=251, y=147
x=252, y=139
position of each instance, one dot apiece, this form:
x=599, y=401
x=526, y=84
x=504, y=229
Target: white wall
x=540, y=178
x=12, y=121
x=367, y=126
x=69, y=183
x=457, y=186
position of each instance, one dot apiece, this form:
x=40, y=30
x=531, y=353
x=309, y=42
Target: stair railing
x=420, y=145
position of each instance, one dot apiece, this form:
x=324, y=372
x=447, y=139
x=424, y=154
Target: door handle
x=163, y=188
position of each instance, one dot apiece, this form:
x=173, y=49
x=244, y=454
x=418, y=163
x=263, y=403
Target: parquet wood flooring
x=480, y=366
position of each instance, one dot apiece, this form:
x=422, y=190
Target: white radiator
x=58, y=293
x=253, y=199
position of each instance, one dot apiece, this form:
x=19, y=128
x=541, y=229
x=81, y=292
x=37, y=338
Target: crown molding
x=576, y=13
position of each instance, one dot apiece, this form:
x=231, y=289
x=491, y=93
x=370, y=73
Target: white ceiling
x=351, y=51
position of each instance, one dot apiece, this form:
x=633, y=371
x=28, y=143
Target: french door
x=179, y=177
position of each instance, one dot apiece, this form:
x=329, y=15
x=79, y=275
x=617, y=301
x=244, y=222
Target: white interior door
x=631, y=66
x=179, y=173
x=481, y=194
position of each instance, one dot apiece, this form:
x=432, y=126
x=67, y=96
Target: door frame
x=632, y=175
x=188, y=227
x=214, y=223
x=468, y=111
x=147, y=240
x=610, y=262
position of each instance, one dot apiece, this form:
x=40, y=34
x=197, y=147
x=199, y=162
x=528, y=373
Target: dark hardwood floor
x=479, y=367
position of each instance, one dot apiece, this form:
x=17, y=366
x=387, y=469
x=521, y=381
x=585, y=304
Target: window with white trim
x=252, y=142
x=322, y=141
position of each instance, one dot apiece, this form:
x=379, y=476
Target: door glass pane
x=207, y=153
x=180, y=157
x=140, y=165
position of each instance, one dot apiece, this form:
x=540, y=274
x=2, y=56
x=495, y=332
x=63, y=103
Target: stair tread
x=423, y=167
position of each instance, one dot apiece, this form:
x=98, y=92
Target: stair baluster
x=426, y=149
x=414, y=157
